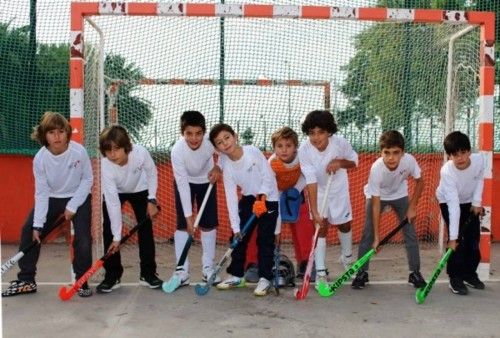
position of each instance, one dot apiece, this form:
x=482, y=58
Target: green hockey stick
x=328, y=290
x=421, y=293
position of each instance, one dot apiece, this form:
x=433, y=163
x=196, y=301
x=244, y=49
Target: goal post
x=302, y=33
x=114, y=87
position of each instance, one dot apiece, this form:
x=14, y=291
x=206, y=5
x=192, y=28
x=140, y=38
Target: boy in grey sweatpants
x=388, y=187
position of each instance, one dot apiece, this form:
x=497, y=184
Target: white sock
x=180, y=239
x=346, y=244
x=320, y=254
x=208, y=240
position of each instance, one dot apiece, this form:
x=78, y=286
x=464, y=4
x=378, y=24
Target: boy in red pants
x=291, y=182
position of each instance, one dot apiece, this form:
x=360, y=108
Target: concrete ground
x=386, y=308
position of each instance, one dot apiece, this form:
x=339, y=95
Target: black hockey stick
x=14, y=259
x=276, y=269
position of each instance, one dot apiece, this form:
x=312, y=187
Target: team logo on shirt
x=139, y=169
x=251, y=167
x=74, y=164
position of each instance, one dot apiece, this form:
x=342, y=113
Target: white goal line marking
x=390, y=282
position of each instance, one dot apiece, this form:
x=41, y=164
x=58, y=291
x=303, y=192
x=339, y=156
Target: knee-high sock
x=208, y=240
x=320, y=254
x=180, y=239
x=346, y=244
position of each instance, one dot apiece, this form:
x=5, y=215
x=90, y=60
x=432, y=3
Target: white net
x=379, y=76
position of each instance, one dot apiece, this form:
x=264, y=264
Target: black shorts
x=209, y=219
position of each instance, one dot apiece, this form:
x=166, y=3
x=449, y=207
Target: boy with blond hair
x=63, y=180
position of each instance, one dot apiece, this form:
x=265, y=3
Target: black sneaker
x=474, y=282
x=151, y=281
x=108, y=285
x=19, y=287
x=301, y=269
x=360, y=281
x=85, y=291
x=416, y=279
x=252, y=273
x=458, y=287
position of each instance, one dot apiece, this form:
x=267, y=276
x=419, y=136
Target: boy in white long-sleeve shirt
x=193, y=166
x=63, y=179
x=128, y=174
x=459, y=194
x=246, y=167
x=322, y=154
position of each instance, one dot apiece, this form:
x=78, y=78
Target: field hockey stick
x=422, y=293
x=327, y=290
x=14, y=259
x=66, y=294
x=175, y=281
x=276, y=269
x=302, y=293
x=202, y=290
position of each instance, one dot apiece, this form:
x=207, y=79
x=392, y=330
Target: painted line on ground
x=393, y=282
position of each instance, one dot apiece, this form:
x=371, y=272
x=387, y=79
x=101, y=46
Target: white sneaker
x=321, y=277
x=345, y=261
x=231, y=282
x=183, y=277
x=262, y=287
x=208, y=271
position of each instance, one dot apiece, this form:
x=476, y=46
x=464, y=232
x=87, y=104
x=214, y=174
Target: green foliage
x=27, y=91
x=395, y=95
x=15, y=119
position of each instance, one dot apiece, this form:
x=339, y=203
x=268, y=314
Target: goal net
x=259, y=68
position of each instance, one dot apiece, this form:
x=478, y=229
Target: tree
x=21, y=106
x=15, y=120
x=395, y=94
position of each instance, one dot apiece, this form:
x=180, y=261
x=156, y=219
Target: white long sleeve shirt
x=137, y=175
x=313, y=164
x=460, y=186
x=253, y=174
x=388, y=184
x=61, y=176
x=191, y=166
